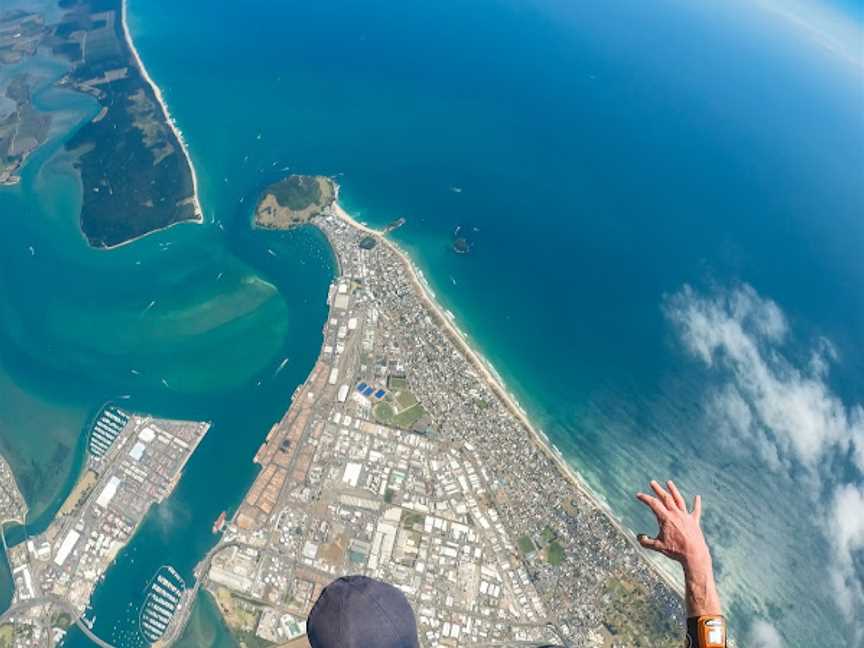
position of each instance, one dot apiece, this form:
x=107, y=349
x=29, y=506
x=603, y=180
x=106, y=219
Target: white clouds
x=740, y=332
x=739, y=432
x=847, y=538
x=787, y=415
x=764, y=635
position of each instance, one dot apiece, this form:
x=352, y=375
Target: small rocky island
x=460, y=245
x=294, y=201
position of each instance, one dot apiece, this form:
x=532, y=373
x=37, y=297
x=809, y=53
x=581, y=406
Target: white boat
x=281, y=367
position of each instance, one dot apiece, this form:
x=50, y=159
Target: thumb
x=650, y=543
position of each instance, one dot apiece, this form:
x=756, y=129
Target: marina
x=107, y=427
x=163, y=600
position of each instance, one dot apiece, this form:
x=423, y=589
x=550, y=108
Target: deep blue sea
x=665, y=205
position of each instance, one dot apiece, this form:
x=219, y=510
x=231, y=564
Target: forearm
x=681, y=539
x=701, y=597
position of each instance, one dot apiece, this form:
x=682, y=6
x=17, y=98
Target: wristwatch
x=707, y=631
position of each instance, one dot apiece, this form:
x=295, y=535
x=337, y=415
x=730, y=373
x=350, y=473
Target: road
x=57, y=602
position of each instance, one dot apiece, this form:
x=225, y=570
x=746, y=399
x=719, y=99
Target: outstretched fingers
x=664, y=497
x=697, y=507
x=676, y=495
x=654, y=504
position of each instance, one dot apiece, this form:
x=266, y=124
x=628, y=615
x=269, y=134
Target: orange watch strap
x=710, y=632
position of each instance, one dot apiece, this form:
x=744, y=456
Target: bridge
x=57, y=602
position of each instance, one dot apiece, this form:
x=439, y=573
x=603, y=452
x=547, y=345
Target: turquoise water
x=606, y=155
x=206, y=627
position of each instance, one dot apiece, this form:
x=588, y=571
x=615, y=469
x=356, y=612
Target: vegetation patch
x=7, y=635
x=396, y=383
x=251, y=640
x=61, y=620
x=526, y=545
x=405, y=400
x=383, y=413
x=293, y=201
x=296, y=192
x=407, y=419
x=411, y=519
x=555, y=553
x=241, y=616
x=400, y=407
x=634, y=619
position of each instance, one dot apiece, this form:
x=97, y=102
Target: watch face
x=714, y=633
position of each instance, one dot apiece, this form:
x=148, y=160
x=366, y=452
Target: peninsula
x=136, y=173
x=133, y=462
x=403, y=457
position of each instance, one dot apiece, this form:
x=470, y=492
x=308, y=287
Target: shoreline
x=107, y=248
x=496, y=384
x=166, y=113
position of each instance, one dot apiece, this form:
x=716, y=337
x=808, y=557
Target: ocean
x=598, y=157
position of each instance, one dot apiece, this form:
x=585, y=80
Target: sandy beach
x=199, y=214
x=496, y=384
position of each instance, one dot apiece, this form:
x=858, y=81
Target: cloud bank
x=784, y=412
x=764, y=635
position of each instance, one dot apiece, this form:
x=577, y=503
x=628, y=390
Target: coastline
x=199, y=213
x=117, y=246
x=496, y=384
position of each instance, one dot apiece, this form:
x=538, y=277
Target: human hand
x=680, y=537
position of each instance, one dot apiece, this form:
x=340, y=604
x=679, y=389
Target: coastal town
x=133, y=462
x=13, y=509
x=403, y=458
